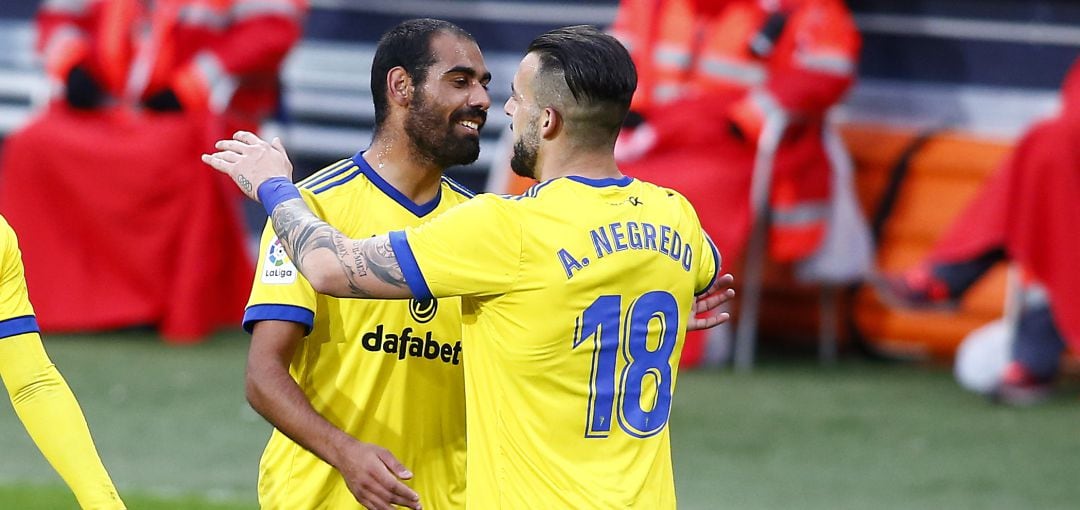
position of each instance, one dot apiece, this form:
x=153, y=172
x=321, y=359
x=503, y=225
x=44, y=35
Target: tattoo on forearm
x=302, y=233
x=354, y=251
x=379, y=256
x=244, y=183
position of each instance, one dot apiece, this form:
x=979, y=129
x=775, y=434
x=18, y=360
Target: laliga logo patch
x=278, y=269
x=276, y=256
x=423, y=311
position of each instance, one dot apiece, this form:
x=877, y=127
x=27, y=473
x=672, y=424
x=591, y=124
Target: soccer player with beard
x=576, y=295
x=363, y=394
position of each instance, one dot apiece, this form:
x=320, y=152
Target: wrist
x=274, y=191
x=340, y=448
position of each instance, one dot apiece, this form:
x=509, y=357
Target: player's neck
x=592, y=164
x=396, y=164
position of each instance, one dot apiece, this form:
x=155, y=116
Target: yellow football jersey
x=16, y=314
x=386, y=372
x=575, y=299
x=38, y=392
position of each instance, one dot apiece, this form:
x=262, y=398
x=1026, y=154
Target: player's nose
x=480, y=98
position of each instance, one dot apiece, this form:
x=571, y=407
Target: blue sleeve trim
x=716, y=265
x=290, y=313
x=18, y=326
x=409, y=268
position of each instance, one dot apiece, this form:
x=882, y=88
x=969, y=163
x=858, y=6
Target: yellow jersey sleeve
x=16, y=314
x=707, y=258
x=709, y=262
x=279, y=291
x=473, y=249
x=52, y=417
x=41, y=398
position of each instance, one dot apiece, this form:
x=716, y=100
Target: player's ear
x=551, y=123
x=399, y=85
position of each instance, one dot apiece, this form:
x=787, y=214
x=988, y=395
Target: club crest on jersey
x=278, y=269
x=423, y=311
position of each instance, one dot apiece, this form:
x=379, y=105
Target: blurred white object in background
x=982, y=357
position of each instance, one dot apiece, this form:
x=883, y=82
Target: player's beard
x=435, y=140
x=526, y=148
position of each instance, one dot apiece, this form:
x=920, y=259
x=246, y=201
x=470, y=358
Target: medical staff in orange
x=710, y=73
x=192, y=55
x=78, y=182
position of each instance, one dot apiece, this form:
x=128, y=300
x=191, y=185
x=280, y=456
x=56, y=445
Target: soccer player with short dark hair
x=362, y=392
x=576, y=295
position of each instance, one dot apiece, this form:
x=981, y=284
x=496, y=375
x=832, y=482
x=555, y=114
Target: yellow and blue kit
x=386, y=372
x=575, y=301
x=38, y=392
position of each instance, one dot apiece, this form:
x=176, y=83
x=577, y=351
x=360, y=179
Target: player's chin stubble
x=523, y=161
x=435, y=139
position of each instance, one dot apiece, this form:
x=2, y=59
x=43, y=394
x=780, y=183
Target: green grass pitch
x=175, y=432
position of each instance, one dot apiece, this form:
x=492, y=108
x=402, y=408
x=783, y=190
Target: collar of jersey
x=420, y=210
x=600, y=183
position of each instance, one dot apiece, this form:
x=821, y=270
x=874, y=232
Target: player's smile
x=470, y=120
x=470, y=125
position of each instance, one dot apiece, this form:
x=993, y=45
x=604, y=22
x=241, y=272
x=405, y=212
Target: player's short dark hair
x=597, y=70
x=407, y=45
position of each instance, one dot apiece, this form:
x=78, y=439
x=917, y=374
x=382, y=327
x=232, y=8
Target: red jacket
x=121, y=224
x=1029, y=207
x=217, y=55
x=707, y=66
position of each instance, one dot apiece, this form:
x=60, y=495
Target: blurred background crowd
x=826, y=145
x=885, y=178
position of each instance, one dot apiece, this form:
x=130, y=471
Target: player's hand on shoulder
x=250, y=161
x=374, y=476
x=705, y=314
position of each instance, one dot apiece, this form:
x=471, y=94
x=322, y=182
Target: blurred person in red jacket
x=1025, y=213
x=82, y=181
x=710, y=73
x=221, y=56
